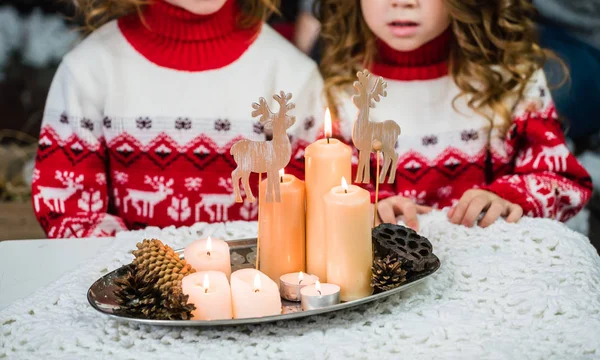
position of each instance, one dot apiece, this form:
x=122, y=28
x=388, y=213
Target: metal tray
x=101, y=294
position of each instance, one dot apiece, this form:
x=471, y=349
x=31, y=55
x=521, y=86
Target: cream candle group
x=349, y=244
x=209, y=254
x=210, y=292
x=281, y=229
x=327, y=160
x=253, y=294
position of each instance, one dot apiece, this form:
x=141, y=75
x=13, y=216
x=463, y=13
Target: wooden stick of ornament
x=372, y=136
x=267, y=156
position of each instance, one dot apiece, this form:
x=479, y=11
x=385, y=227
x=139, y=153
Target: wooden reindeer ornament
x=370, y=136
x=264, y=156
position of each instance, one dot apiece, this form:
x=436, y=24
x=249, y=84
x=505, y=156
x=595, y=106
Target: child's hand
x=474, y=202
x=389, y=209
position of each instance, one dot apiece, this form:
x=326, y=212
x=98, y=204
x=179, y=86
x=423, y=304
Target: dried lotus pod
x=415, y=250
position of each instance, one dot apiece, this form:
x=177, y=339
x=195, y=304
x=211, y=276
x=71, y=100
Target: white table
x=512, y=291
x=28, y=265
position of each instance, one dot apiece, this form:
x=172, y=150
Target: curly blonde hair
x=95, y=13
x=493, y=56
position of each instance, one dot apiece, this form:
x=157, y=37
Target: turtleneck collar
x=172, y=37
x=430, y=61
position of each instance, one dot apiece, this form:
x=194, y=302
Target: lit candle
x=327, y=160
x=319, y=296
x=291, y=284
x=253, y=294
x=209, y=291
x=209, y=254
x=349, y=244
x=281, y=229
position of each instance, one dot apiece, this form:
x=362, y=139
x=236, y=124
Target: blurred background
x=35, y=35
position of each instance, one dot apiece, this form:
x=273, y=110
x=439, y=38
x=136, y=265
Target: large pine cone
x=151, y=288
x=415, y=250
x=387, y=273
x=139, y=298
x=160, y=265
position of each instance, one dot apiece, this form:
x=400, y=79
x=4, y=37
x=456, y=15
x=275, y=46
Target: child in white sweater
x=141, y=115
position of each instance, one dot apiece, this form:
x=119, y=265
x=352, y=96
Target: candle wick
x=300, y=282
x=281, y=179
x=319, y=291
x=328, y=139
x=346, y=191
x=205, y=290
x=256, y=290
x=208, y=253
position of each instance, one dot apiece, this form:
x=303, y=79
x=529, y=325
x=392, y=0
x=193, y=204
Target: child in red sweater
x=141, y=115
x=479, y=130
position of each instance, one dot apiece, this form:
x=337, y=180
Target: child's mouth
x=403, y=28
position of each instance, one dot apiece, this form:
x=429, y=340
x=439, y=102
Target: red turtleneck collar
x=172, y=37
x=430, y=61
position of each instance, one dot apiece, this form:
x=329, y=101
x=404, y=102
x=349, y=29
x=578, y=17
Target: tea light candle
x=349, y=243
x=319, y=296
x=254, y=294
x=209, y=254
x=209, y=291
x=291, y=284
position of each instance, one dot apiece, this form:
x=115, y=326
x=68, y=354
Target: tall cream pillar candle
x=327, y=160
x=281, y=228
x=349, y=244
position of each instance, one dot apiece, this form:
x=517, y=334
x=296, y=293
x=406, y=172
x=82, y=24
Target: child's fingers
x=409, y=211
x=476, y=206
x=458, y=211
x=421, y=209
x=386, y=212
x=515, y=212
x=492, y=214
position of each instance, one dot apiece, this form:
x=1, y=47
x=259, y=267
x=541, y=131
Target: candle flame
x=281, y=172
x=328, y=130
x=300, y=277
x=206, y=283
x=344, y=184
x=257, y=283
x=209, y=245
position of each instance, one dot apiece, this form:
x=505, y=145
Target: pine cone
x=161, y=265
x=134, y=294
x=151, y=288
x=415, y=250
x=387, y=273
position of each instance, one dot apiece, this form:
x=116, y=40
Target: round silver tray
x=101, y=295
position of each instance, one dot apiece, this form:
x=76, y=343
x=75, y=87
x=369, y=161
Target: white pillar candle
x=209, y=291
x=209, y=254
x=254, y=294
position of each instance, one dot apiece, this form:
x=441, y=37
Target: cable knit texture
x=523, y=291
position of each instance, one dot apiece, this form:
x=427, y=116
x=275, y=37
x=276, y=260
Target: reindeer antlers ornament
x=264, y=156
x=370, y=136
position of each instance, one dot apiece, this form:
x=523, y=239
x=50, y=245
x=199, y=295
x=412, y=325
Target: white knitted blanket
x=526, y=291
